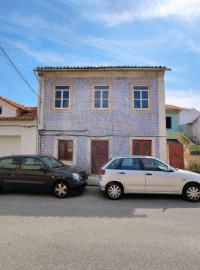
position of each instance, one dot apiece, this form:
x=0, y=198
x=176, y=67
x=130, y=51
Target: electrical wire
x=16, y=69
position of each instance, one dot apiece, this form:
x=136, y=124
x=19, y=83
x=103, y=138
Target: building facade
x=175, y=150
x=183, y=149
x=89, y=114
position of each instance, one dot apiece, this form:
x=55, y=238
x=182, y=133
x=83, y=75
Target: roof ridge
x=174, y=107
x=15, y=104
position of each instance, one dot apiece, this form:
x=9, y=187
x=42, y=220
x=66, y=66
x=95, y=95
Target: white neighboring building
x=190, y=124
x=18, y=128
x=188, y=116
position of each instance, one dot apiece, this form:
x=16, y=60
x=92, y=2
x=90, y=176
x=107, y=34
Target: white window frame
x=62, y=88
x=98, y=88
x=141, y=90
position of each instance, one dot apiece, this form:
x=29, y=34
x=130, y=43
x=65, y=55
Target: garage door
x=10, y=145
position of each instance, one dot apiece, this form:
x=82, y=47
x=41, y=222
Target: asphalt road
x=88, y=231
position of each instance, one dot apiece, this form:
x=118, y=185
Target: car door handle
x=122, y=173
x=148, y=174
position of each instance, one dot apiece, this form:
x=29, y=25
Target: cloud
x=36, y=23
x=39, y=29
x=194, y=46
x=45, y=56
x=187, y=10
x=120, y=50
x=183, y=98
x=149, y=9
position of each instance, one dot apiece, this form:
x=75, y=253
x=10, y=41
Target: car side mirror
x=170, y=170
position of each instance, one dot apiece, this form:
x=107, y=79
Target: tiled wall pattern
x=119, y=125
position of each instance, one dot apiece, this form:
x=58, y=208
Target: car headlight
x=77, y=177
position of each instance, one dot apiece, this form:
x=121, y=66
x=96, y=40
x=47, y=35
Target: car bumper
x=78, y=184
x=102, y=184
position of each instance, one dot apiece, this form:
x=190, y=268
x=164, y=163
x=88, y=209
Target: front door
x=99, y=155
x=176, y=155
x=142, y=147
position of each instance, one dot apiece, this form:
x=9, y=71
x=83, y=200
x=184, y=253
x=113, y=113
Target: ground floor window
x=65, y=150
x=142, y=147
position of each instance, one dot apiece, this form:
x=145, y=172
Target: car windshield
x=52, y=162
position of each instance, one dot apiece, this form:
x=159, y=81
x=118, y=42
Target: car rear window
x=115, y=164
x=8, y=163
x=130, y=164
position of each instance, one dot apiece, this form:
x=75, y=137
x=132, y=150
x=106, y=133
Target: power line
x=16, y=69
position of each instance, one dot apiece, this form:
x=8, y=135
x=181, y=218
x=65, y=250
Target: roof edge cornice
x=102, y=68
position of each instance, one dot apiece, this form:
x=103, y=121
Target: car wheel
x=114, y=191
x=61, y=189
x=191, y=192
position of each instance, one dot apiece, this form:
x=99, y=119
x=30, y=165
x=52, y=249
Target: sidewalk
x=93, y=180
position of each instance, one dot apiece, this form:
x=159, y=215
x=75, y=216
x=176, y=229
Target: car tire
x=61, y=189
x=191, y=192
x=114, y=191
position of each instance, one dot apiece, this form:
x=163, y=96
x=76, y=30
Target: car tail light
x=102, y=172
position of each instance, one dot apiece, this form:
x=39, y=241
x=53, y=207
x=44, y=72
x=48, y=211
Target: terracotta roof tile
x=27, y=113
x=30, y=114
x=173, y=108
x=14, y=104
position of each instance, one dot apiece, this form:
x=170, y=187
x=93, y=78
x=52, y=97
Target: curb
x=92, y=181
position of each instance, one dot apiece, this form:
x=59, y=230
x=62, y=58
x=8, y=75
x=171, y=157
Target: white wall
x=193, y=130
x=10, y=145
x=7, y=110
x=20, y=134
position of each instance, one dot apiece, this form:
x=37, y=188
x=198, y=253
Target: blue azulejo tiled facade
x=89, y=114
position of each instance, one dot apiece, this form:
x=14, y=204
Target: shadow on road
x=91, y=203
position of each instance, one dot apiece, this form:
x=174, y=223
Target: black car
x=40, y=173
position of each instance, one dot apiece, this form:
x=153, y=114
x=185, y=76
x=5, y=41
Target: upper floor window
x=101, y=97
x=141, y=97
x=0, y=110
x=168, y=122
x=62, y=97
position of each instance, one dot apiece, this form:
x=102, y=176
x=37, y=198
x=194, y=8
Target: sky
x=38, y=33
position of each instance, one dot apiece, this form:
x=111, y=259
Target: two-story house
x=175, y=155
x=18, y=128
x=89, y=114
x=183, y=126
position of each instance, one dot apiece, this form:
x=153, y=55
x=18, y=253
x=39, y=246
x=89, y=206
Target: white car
x=143, y=174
